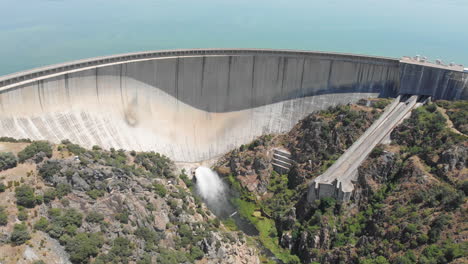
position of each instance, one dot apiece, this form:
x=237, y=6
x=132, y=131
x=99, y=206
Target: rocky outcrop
x=321, y=138
x=453, y=163
x=250, y=164
x=135, y=199
x=234, y=253
x=378, y=169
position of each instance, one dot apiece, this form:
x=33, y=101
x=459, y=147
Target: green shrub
x=437, y=226
x=95, y=217
x=63, y=222
x=35, y=148
x=168, y=256
x=95, y=193
x=378, y=260
x=158, y=165
x=7, y=160
x=22, y=214
x=3, y=216
x=49, y=169
x=83, y=246
x=381, y=103
x=74, y=148
x=122, y=217
x=408, y=258
x=49, y=195
x=71, y=217
x=183, y=176
x=458, y=113
x=2, y=187
x=62, y=189
x=14, y=140
x=20, y=234
x=377, y=151
x=327, y=202
x=121, y=249
x=148, y=235
x=146, y=259
x=159, y=189
x=25, y=196
x=433, y=254
x=41, y=224
x=196, y=253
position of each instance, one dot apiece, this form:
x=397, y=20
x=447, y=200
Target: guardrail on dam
x=191, y=105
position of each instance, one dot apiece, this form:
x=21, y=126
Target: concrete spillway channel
x=338, y=180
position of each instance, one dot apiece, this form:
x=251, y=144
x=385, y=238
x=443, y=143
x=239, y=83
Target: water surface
x=41, y=32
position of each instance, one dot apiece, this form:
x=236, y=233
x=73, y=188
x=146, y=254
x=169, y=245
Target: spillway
x=194, y=105
x=337, y=181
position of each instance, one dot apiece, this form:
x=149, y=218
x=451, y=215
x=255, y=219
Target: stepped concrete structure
x=281, y=160
x=194, y=105
x=338, y=180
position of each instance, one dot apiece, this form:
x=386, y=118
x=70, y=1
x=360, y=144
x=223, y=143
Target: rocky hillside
x=62, y=203
x=410, y=200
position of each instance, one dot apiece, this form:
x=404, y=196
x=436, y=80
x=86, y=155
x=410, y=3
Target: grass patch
x=230, y=224
x=267, y=231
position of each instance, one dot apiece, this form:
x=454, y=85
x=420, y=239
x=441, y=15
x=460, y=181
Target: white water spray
x=209, y=185
x=216, y=194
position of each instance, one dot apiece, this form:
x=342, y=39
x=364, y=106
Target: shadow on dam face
x=189, y=108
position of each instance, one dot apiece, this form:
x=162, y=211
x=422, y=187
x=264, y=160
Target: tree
x=378, y=260
x=121, y=249
x=7, y=160
x=83, y=246
x=41, y=224
x=19, y=235
x=196, y=253
x=35, y=148
x=25, y=196
x=49, y=169
x=95, y=217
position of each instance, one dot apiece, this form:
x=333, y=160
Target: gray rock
x=79, y=183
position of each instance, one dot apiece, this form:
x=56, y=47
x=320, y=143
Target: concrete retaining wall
x=191, y=107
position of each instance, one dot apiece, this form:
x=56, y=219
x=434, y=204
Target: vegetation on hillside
x=7, y=160
x=409, y=205
x=37, y=150
x=111, y=207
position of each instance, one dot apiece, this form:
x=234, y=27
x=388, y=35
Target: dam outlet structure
x=195, y=105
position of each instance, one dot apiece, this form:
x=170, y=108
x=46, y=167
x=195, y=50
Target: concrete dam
x=194, y=105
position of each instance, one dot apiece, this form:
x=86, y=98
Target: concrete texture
x=188, y=105
x=338, y=180
x=439, y=83
x=281, y=160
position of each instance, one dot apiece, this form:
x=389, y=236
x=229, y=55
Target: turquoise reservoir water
x=41, y=32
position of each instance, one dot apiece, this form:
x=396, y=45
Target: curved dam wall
x=188, y=105
x=439, y=83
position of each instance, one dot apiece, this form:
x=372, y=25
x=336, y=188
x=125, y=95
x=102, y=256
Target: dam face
x=189, y=105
